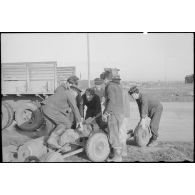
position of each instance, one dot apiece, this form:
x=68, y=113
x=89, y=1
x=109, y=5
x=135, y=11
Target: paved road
x=177, y=122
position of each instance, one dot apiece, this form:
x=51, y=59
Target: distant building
x=189, y=79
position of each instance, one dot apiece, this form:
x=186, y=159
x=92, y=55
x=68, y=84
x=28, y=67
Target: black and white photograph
x=97, y=97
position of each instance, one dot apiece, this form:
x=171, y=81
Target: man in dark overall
x=92, y=101
x=151, y=107
x=113, y=113
x=100, y=91
x=57, y=109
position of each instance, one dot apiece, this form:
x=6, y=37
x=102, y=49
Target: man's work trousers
x=114, y=125
x=54, y=118
x=155, y=116
x=123, y=130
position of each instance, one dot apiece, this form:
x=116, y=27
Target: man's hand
x=79, y=126
x=143, y=123
x=89, y=120
x=105, y=117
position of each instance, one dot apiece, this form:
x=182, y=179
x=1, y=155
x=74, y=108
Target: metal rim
x=28, y=116
x=97, y=147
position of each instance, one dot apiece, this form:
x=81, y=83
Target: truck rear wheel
x=11, y=113
x=7, y=115
x=29, y=117
x=97, y=147
x=141, y=136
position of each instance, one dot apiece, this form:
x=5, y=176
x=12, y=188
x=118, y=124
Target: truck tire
x=141, y=136
x=9, y=152
x=29, y=117
x=5, y=115
x=11, y=113
x=97, y=147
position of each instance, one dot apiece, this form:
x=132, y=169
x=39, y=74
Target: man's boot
x=153, y=141
x=53, y=140
x=124, y=150
x=117, y=156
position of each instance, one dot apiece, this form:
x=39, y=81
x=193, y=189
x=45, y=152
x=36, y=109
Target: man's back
x=59, y=99
x=147, y=103
x=126, y=103
x=94, y=105
x=114, y=98
x=62, y=100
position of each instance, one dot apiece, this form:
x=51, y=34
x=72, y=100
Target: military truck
x=23, y=86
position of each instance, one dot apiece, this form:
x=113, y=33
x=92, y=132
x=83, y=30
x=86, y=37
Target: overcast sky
x=139, y=57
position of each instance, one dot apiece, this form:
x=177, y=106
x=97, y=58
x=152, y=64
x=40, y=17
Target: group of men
x=107, y=103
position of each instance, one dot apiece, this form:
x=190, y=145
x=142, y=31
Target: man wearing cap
x=113, y=113
x=57, y=109
x=100, y=91
x=92, y=102
x=151, y=107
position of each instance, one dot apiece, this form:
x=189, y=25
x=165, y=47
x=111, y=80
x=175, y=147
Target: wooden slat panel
x=14, y=87
x=14, y=72
x=41, y=86
x=39, y=66
x=36, y=76
x=40, y=74
x=13, y=66
x=41, y=71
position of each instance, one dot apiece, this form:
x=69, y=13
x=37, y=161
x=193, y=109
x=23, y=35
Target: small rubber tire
x=32, y=159
x=97, y=147
x=34, y=122
x=141, y=136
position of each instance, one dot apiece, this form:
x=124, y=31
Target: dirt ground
x=176, y=131
x=163, y=152
x=177, y=123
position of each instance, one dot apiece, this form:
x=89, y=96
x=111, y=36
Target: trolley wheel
x=141, y=136
x=97, y=147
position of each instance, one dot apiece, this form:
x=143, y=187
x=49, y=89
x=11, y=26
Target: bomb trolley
x=91, y=140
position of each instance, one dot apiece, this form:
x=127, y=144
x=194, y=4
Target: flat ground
x=176, y=91
x=175, y=142
x=164, y=152
x=168, y=91
x=177, y=123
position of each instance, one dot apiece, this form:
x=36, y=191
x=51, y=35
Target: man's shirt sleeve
x=97, y=105
x=72, y=102
x=109, y=95
x=144, y=107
